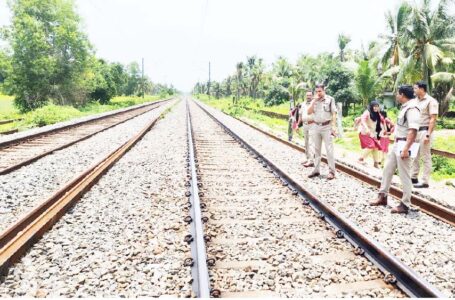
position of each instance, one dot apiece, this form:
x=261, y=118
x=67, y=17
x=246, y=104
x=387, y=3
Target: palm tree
x=255, y=70
x=239, y=68
x=343, y=41
x=431, y=39
x=393, y=42
x=366, y=82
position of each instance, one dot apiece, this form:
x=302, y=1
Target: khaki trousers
x=404, y=171
x=320, y=134
x=424, y=154
x=309, y=148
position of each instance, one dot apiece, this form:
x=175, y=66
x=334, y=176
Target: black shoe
x=314, y=175
x=414, y=180
x=421, y=185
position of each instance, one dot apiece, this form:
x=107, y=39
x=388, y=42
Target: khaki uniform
x=408, y=118
x=322, y=131
x=428, y=106
x=308, y=124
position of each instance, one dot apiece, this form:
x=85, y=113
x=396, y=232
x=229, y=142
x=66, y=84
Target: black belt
x=323, y=123
x=423, y=128
x=400, y=139
x=308, y=123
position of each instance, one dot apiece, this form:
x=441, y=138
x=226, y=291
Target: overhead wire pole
x=143, y=83
x=208, y=86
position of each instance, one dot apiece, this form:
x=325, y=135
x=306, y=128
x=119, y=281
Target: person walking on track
x=428, y=114
x=399, y=157
x=307, y=122
x=324, y=129
x=371, y=129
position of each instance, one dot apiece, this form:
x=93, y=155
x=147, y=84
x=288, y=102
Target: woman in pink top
x=371, y=129
x=384, y=140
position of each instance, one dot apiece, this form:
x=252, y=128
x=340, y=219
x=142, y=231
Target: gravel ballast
x=24, y=188
x=419, y=240
x=125, y=236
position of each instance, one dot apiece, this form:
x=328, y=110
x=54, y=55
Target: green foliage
x=339, y=86
x=365, y=82
x=50, y=53
x=276, y=95
x=443, y=166
x=50, y=114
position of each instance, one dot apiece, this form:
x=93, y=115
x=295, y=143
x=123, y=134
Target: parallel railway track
x=17, y=153
x=252, y=209
x=21, y=235
x=436, y=210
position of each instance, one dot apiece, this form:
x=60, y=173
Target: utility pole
x=208, y=86
x=143, y=87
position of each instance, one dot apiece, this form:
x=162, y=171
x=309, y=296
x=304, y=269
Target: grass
x=51, y=114
x=443, y=168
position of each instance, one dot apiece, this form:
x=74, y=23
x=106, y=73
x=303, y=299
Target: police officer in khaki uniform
x=324, y=128
x=428, y=114
x=307, y=122
x=406, y=130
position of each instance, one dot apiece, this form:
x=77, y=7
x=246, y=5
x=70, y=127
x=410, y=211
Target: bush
x=277, y=95
x=50, y=114
x=442, y=165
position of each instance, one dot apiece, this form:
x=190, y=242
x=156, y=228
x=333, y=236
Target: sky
x=178, y=38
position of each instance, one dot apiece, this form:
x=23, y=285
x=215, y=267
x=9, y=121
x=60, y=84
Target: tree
x=239, y=69
x=5, y=71
x=50, y=53
x=393, y=43
x=255, y=69
x=133, y=82
x=339, y=85
x=366, y=82
x=343, y=41
x=430, y=35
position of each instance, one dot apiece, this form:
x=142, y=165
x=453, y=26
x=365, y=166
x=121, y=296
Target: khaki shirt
x=304, y=113
x=323, y=109
x=412, y=113
x=428, y=106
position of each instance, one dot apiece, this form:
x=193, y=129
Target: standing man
x=307, y=122
x=405, y=130
x=428, y=114
x=325, y=111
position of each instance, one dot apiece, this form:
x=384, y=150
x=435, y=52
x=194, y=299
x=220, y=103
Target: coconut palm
x=239, y=69
x=430, y=35
x=393, y=43
x=255, y=70
x=343, y=41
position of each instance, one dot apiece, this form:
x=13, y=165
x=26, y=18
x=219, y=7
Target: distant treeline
x=48, y=58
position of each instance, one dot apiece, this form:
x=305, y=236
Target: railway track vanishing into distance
x=254, y=231
x=261, y=209
x=20, y=152
x=21, y=235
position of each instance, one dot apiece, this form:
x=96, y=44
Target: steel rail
x=20, y=236
x=395, y=271
x=436, y=210
x=28, y=161
x=199, y=270
x=20, y=139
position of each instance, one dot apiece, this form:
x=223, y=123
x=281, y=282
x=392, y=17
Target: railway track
x=21, y=235
x=20, y=152
x=267, y=236
x=434, y=209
